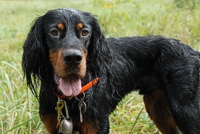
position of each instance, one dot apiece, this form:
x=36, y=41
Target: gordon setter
x=66, y=49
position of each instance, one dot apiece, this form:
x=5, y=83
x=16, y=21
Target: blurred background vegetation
x=19, y=109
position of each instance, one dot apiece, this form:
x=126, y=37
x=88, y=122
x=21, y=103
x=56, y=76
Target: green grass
x=19, y=109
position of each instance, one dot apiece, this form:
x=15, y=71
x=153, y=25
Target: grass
x=19, y=109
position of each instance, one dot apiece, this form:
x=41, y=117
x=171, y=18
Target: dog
x=66, y=49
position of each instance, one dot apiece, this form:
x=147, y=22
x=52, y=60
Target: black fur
x=147, y=63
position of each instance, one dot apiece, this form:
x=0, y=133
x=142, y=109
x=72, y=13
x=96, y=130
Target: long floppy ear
x=35, y=56
x=99, y=55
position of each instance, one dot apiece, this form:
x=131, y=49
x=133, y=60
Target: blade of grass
x=17, y=126
x=136, y=120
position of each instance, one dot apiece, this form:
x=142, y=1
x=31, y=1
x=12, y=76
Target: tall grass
x=18, y=107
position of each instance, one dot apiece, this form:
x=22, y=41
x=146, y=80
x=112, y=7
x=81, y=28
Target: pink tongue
x=70, y=86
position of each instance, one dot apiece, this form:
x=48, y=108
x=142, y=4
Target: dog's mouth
x=70, y=85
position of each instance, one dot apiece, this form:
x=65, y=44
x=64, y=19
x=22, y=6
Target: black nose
x=72, y=57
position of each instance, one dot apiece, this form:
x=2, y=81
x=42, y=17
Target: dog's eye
x=54, y=32
x=84, y=33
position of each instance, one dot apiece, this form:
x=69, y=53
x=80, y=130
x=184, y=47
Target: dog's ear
x=99, y=55
x=35, y=55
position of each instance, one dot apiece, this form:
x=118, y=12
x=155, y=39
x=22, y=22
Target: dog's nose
x=72, y=57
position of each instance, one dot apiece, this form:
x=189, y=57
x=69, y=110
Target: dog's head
x=68, y=43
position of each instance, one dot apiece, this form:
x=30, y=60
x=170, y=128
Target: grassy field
x=19, y=109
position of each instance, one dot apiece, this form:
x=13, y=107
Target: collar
x=84, y=88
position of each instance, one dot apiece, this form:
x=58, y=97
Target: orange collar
x=84, y=88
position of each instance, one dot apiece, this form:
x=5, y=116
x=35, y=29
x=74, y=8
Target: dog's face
x=72, y=43
x=67, y=35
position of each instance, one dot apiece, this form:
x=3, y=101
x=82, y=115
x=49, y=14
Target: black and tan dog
x=66, y=49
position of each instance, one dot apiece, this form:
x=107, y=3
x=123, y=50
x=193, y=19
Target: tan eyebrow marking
x=61, y=26
x=79, y=26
